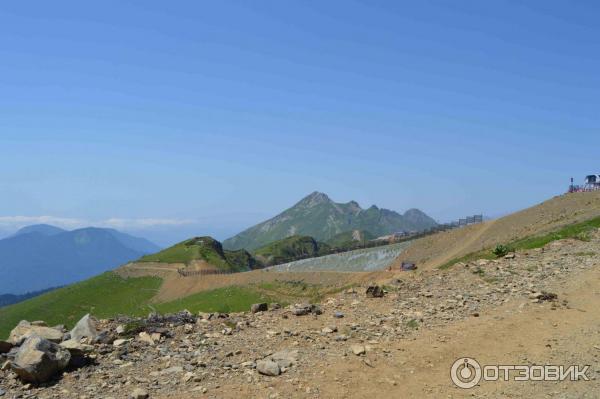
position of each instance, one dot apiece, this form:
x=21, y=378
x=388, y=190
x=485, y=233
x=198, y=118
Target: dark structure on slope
x=592, y=183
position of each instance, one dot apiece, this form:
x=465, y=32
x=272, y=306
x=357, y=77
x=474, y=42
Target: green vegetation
x=207, y=249
x=224, y=300
x=319, y=217
x=502, y=250
x=350, y=238
x=105, y=295
x=579, y=231
x=413, y=324
x=290, y=249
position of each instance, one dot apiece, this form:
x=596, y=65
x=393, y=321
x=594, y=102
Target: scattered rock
x=338, y=315
x=146, y=338
x=285, y=358
x=26, y=329
x=304, y=309
x=85, y=328
x=139, y=393
x=510, y=255
x=259, y=307
x=38, y=360
x=268, y=367
x=120, y=342
x=358, y=349
x=374, y=291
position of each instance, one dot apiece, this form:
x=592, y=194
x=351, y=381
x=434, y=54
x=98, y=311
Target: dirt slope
x=435, y=250
x=175, y=286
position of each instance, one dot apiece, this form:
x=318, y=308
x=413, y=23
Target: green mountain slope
x=207, y=249
x=350, y=238
x=318, y=216
x=289, y=249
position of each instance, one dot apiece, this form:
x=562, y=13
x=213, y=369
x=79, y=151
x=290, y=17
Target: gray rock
x=338, y=315
x=2, y=392
x=268, y=367
x=285, y=358
x=26, y=329
x=85, y=328
x=38, y=360
x=259, y=307
x=306, y=308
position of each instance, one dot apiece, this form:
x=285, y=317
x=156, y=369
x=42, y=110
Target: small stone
x=374, y=291
x=146, y=338
x=358, y=349
x=120, y=342
x=139, y=393
x=338, y=315
x=268, y=367
x=259, y=307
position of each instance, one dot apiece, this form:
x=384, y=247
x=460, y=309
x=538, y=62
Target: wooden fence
x=190, y=273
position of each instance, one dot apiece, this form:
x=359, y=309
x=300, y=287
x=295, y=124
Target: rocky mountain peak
x=315, y=198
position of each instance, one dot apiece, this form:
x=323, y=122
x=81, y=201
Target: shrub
x=502, y=250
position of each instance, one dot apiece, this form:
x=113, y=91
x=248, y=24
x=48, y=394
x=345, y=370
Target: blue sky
x=173, y=119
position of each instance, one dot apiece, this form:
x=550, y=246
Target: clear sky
x=196, y=117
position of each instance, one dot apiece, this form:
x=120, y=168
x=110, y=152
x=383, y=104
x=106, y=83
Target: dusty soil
x=436, y=250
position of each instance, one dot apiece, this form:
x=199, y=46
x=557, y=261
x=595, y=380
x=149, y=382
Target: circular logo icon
x=465, y=373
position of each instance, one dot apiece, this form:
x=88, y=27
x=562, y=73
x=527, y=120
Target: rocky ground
x=514, y=310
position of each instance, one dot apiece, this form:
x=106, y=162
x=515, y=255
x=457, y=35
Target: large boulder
x=38, y=360
x=85, y=328
x=26, y=329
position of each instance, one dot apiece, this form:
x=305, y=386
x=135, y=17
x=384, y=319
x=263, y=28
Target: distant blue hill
x=42, y=256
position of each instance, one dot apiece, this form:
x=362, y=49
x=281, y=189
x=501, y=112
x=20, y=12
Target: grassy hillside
x=105, y=295
x=207, y=249
x=350, y=238
x=224, y=300
x=109, y=295
x=289, y=249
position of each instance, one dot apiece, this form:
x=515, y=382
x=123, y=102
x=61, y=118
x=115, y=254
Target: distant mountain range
x=41, y=256
x=319, y=217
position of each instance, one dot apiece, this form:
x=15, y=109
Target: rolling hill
x=41, y=256
x=204, y=253
x=319, y=217
x=289, y=249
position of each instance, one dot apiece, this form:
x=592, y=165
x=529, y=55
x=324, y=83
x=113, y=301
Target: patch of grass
x=413, y=324
x=299, y=290
x=580, y=231
x=223, y=300
x=106, y=295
